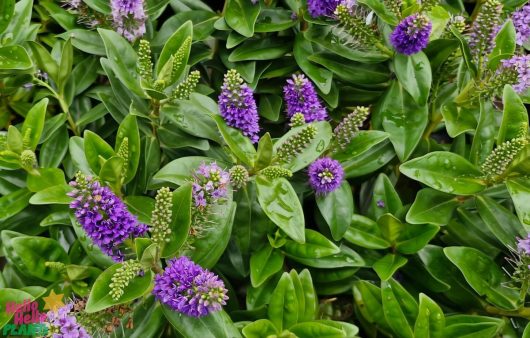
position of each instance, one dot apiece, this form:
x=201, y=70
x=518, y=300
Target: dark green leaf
x=336, y=207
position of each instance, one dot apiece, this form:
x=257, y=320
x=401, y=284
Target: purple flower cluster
x=103, y=216
x=301, y=97
x=325, y=175
x=322, y=7
x=523, y=245
x=412, y=34
x=520, y=67
x=521, y=21
x=238, y=107
x=189, y=289
x=484, y=29
x=129, y=18
x=62, y=325
x=210, y=183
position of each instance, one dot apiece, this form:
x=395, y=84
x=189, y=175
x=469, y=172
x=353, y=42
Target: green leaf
x=366, y=233
x=265, y=151
x=14, y=58
x=316, y=329
x=514, y=117
x=34, y=124
x=310, y=309
x=264, y=263
x=111, y=171
x=519, y=189
x=367, y=297
x=473, y=326
x=433, y=207
x=180, y=171
x=259, y=329
x=504, y=45
x=241, y=15
x=384, y=192
x=317, y=146
x=335, y=207
x=172, y=45
x=207, y=251
x=215, y=325
x=8, y=295
x=320, y=76
x=346, y=258
x=414, y=237
x=283, y=307
x=388, y=265
x=382, y=11
x=484, y=276
x=500, y=221
x=86, y=40
x=54, y=149
x=466, y=52
x=14, y=202
x=431, y=321
x=280, y=203
x=65, y=66
x=30, y=253
x=394, y=313
x=240, y=145
x=52, y=195
x=7, y=9
x=360, y=144
x=129, y=129
x=274, y=20
x=403, y=120
x=180, y=220
x=445, y=171
x=96, y=148
x=414, y=74
x=316, y=245
x=458, y=120
x=484, y=137
x=260, y=50
x=100, y=298
x=122, y=59
x=45, y=178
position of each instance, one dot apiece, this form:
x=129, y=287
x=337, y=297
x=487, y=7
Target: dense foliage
x=267, y=168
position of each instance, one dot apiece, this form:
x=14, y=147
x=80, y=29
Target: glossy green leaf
x=260, y=50
x=458, y=120
x=34, y=124
x=96, y=147
x=336, y=207
x=217, y=324
x=316, y=329
x=52, y=195
x=414, y=74
x=280, y=202
x=388, y=265
x=504, y=45
x=433, y=207
x=484, y=276
x=414, y=237
x=240, y=145
x=315, y=246
x=241, y=16
x=473, y=326
x=180, y=220
x=366, y=233
x=483, y=139
x=431, y=321
x=321, y=77
x=394, y=313
x=174, y=44
x=385, y=198
x=283, y=307
x=446, y=172
x=100, y=298
x=260, y=328
x=180, y=171
x=14, y=58
x=264, y=264
x=501, y=222
x=514, y=117
x=45, y=178
x=7, y=9
x=519, y=189
x=14, y=202
x=403, y=119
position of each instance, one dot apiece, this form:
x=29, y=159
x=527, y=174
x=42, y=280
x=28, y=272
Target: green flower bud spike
x=349, y=126
x=178, y=58
x=274, y=172
x=122, y=277
x=238, y=176
x=297, y=120
x=123, y=152
x=161, y=217
x=145, y=65
x=186, y=87
x=295, y=144
x=498, y=161
x=28, y=160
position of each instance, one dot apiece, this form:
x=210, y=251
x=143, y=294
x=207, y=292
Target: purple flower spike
x=523, y=245
x=412, y=34
x=521, y=21
x=325, y=175
x=520, y=67
x=129, y=18
x=64, y=325
x=103, y=216
x=238, y=107
x=189, y=289
x=322, y=7
x=210, y=184
x=301, y=97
